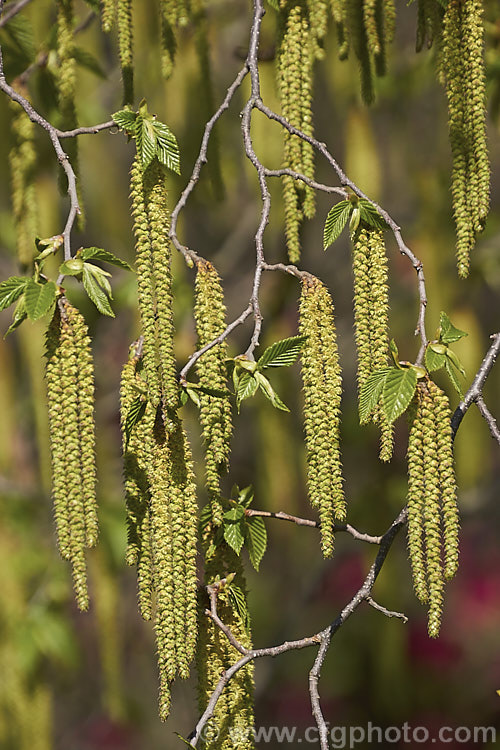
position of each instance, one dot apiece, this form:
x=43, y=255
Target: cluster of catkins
x=70, y=393
x=433, y=522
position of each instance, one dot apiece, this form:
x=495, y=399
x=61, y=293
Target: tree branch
x=11, y=11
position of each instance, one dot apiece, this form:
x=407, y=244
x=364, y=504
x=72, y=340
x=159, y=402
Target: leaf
x=86, y=60
x=245, y=388
x=394, y=352
x=71, y=267
x=145, y=140
x=191, y=393
x=433, y=360
x=11, y=289
x=355, y=217
x=370, y=215
x=101, y=277
x=245, y=496
x=183, y=739
x=453, y=377
x=95, y=293
x=233, y=534
x=39, y=298
x=455, y=361
x=125, y=119
x=205, y=516
x=167, y=149
x=215, y=392
x=282, y=354
x=19, y=30
x=449, y=333
x=134, y=415
x=236, y=513
x=398, y=391
x=335, y=222
x=97, y=253
x=239, y=603
x=256, y=540
x=268, y=391
x=18, y=317
x=370, y=393
x=274, y=4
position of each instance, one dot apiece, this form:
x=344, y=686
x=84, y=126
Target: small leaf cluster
x=153, y=138
x=438, y=354
x=247, y=373
x=355, y=210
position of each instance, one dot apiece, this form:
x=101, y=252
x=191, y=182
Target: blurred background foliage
x=73, y=681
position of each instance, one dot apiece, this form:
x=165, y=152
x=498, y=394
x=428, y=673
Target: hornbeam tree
x=183, y=407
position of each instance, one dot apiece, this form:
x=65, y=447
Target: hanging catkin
x=433, y=522
x=22, y=159
x=462, y=72
x=322, y=394
x=108, y=14
x=126, y=47
x=215, y=412
x=173, y=13
x=70, y=390
x=371, y=308
x=233, y=714
x=429, y=23
x=295, y=72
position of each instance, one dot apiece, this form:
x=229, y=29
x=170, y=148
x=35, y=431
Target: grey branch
x=11, y=11
x=315, y=524
x=386, y=612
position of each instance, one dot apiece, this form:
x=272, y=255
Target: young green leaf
x=370, y=393
x=256, y=540
x=453, y=377
x=434, y=360
x=355, y=219
x=184, y=740
x=236, y=513
x=239, y=603
x=191, y=393
x=245, y=388
x=245, y=496
x=394, y=352
x=455, y=361
x=268, y=391
x=125, y=120
x=95, y=292
x=71, y=267
x=335, y=222
x=97, y=253
x=449, y=333
x=234, y=536
x=145, y=139
x=398, y=391
x=281, y=354
x=39, y=298
x=370, y=215
x=134, y=415
x=11, y=289
x=167, y=149
x=19, y=315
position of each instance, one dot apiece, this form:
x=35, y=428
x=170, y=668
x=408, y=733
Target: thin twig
x=476, y=388
x=490, y=419
x=12, y=11
x=385, y=611
x=360, y=536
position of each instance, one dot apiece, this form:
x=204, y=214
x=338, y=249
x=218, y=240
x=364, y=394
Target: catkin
x=70, y=389
x=126, y=47
x=433, y=521
x=295, y=72
x=371, y=310
x=462, y=72
x=108, y=13
x=215, y=412
x=22, y=159
x=322, y=394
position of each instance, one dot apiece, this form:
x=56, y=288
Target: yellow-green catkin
x=429, y=23
x=322, y=395
x=66, y=82
x=173, y=14
x=462, y=72
x=433, y=522
x=153, y=261
x=215, y=411
x=70, y=389
x=233, y=714
x=108, y=15
x=126, y=47
x=295, y=82
x=371, y=311
x=22, y=160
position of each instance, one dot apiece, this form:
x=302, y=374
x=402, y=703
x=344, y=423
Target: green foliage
x=39, y=298
x=11, y=289
x=153, y=138
x=393, y=387
x=357, y=210
x=240, y=529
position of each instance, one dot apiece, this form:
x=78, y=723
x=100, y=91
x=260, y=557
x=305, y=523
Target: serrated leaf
x=71, y=267
x=125, y=120
x=215, y=392
x=355, y=219
x=398, y=391
x=86, y=60
x=256, y=541
x=234, y=536
x=394, y=352
x=184, y=397
x=11, y=289
x=370, y=215
x=101, y=277
x=236, y=513
x=433, y=360
x=239, y=603
x=370, y=393
x=455, y=361
x=167, y=149
x=183, y=739
x=335, y=222
x=449, y=333
x=274, y=4
x=39, y=298
x=134, y=415
x=205, y=516
x=18, y=317
x=281, y=354
x=268, y=391
x=145, y=140
x=246, y=387
x=191, y=393
x=245, y=496
x=97, y=253
x=95, y=293
x=453, y=377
